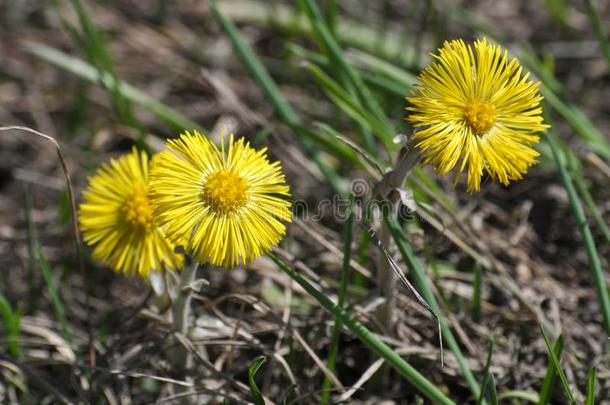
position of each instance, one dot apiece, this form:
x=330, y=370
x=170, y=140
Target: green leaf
x=256, y=393
x=12, y=326
x=549, y=378
x=488, y=378
x=56, y=303
x=591, y=387
x=560, y=372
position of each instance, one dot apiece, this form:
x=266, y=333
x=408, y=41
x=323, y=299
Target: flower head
x=227, y=203
x=474, y=107
x=116, y=218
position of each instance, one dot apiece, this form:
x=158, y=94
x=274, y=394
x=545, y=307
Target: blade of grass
x=549, y=379
x=12, y=326
x=594, y=262
x=330, y=12
x=336, y=332
x=58, y=308
x=349, y=32
x=493, y=394
x=519, y=395
x=46, y=273
x=35, y=286
x=562, y=377
x=328, y=42
x=347, y=103
x=558, y=10
x=591, y=387
x=418, y=381
x=596, y=22
x=579, y=182
x=381, y=67
x=338, y=71
x=581, y=124
x=256, y=393
x=86, y=71
x=371, y=74
x=419, y=277
x=92, y=43
x=487, y=375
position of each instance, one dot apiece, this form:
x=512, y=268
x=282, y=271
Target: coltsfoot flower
x=228, y=203
x=475, y=108
x=116, y=218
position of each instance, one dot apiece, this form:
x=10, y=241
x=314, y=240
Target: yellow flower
x=475, y=108
x=227, y=204
x=116, y=218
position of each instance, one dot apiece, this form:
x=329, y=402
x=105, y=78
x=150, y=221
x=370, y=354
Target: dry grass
x=535, y=267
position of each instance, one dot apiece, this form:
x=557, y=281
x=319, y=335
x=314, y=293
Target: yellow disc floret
x=138, y=210
x=480, y=117
x=225, y=191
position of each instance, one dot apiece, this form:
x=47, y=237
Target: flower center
x=138, y=210
x=224, y=191
x=480, y=117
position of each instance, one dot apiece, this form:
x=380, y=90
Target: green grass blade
x=581, y=124
x=40, y=257
x=562, y=377
x=558, y=10
x=351, y=107
x=380, y=67
x=579, y=182
x=328, y=42
x=12, y=326
x=256, y=68
x=256, y=393
x=493, y=394
x=336, y=332
x=579, y=214
x=596, y=22
x=519, y=395
x=487, y=374
x=171, y=117
x=349, y=32
x=591, y=387
x=418, y=381
x=549, y=379
x=56, y=303
x=95, y=48
x=330, y=12
x=416, y=272
x=554, y=95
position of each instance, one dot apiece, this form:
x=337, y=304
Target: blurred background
x=101, y=76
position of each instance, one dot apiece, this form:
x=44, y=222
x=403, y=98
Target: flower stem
x=182, y=310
